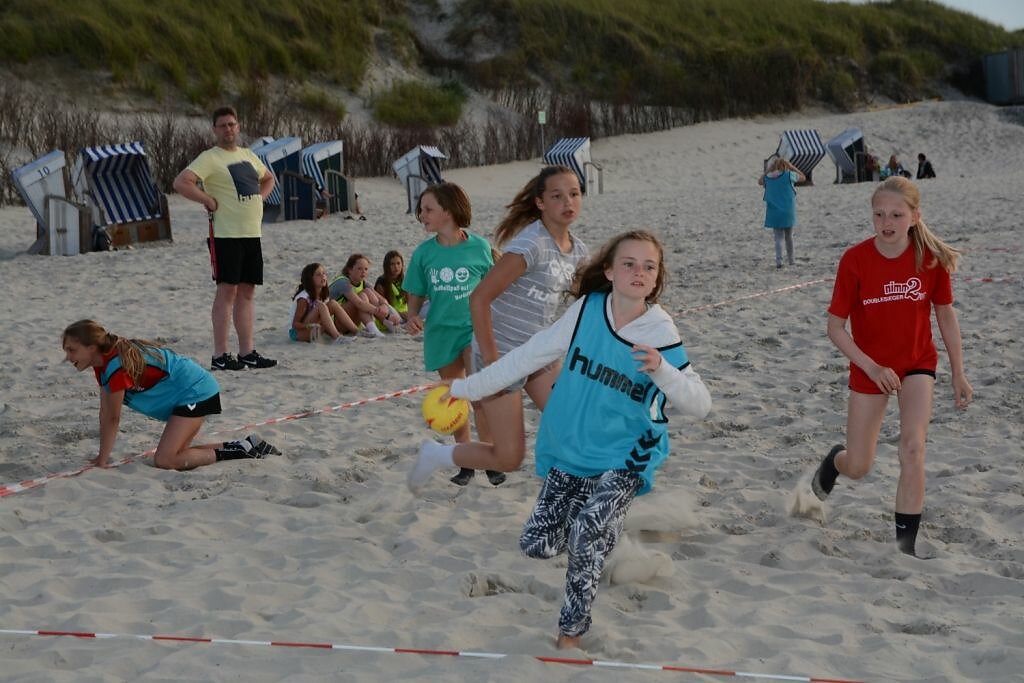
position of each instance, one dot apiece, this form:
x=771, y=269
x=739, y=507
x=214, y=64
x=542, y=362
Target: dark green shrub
x=412, y=104
x=322, y=105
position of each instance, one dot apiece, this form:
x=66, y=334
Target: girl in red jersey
x=886, y=286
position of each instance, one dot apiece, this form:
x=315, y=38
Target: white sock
x=431, y=456
x=244, y=444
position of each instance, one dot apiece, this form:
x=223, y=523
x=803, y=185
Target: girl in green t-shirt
x=446, y=268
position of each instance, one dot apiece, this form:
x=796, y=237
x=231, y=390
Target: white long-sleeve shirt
x=683, y=389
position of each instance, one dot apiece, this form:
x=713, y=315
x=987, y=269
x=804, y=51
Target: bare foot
x=568, y=642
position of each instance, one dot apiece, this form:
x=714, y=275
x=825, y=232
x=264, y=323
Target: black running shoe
x=255, y=360
x=226, y=361
x=496, y=478
x=816, y=486
x=260, y=448
x=463, y=477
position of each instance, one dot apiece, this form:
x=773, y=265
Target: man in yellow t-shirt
x=234, y=184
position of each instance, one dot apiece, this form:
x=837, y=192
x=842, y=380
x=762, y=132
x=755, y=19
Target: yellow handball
x=446, y=416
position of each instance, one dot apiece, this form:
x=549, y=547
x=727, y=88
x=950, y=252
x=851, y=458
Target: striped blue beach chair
x=62, y=226
x=282, y=157
x=323, y=163
x=802, y=148
x=115, y=181
x=418, y=169
x=573, y=153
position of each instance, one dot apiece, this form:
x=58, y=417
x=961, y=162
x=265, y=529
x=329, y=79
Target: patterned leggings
x=583, y=515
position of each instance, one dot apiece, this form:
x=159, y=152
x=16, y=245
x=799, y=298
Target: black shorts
x=209, y=406
x=237, y=260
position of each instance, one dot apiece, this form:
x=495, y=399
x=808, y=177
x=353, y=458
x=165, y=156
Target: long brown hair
x=923, y=239
x=590, y=276
x=523, y=209
x=306, y=283
x=389, y=293
x=133, y=352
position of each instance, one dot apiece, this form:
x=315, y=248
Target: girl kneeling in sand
x=157, y=382
x=603, y=433
x=887, y=286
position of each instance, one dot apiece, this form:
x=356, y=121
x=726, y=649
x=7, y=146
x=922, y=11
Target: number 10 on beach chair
x=62, y=226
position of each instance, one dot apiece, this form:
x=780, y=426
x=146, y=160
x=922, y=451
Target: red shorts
x=862, y=384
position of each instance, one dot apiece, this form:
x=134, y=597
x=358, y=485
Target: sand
x=326, y=545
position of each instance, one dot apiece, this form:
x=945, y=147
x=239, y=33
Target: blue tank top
x=184, y=384
x=603, y=413
x=780, y=198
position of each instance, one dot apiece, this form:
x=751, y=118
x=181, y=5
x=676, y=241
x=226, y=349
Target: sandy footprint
x=632, y=562
x=652, y=517
x=802, y=502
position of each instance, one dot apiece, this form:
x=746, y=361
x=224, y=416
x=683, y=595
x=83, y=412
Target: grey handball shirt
x=537, y=297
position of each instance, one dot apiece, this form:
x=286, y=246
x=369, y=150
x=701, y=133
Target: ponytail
x=132, y=352
x=925, y=241
x=523, y=209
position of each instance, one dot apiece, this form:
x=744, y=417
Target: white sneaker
x=344, y=339
x=370, y=331
x=423, y=467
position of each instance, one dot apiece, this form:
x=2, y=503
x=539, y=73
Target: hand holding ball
x=447, y=415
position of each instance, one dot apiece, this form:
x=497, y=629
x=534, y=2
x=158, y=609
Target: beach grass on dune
x=725, y=57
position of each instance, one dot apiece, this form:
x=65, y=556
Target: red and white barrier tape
x=755, y=295
x=331, y=409
x=1009, y=250
x=18, y=487
x=991, y=279
x=415, y=651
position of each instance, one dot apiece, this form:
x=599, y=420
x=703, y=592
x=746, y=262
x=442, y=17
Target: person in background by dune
x=894, y=169
x=313, y=309
x=924, y=167
x=235, y=184
x=604, y=433
x=360, y=301
x=159, y=383
x=887, y=286
x=446, y=268
x=779, y=183
x=519, y=297
x=389, y=284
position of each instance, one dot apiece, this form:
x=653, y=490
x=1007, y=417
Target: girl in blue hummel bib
x=603, y=433
x=157, y=382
